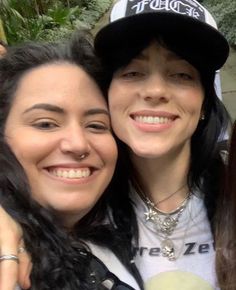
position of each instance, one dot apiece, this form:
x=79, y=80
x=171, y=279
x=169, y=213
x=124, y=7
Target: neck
x=68, y=220
x=163, y=179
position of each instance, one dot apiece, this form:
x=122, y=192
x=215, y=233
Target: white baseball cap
x=187, y=25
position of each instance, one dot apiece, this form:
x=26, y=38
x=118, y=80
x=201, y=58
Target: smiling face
x=59, y=114
x=155, y=103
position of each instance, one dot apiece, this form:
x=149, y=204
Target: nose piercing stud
x=82, y=156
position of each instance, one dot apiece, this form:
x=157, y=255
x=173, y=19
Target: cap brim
x=194, y=40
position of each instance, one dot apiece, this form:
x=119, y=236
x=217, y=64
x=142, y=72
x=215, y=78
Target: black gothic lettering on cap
x=184, y=7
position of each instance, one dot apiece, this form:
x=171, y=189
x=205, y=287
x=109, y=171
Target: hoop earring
x=82, y=156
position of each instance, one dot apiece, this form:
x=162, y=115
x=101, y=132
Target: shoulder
x=113, y=265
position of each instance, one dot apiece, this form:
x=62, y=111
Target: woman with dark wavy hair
x=161, y=57
x=57, y=157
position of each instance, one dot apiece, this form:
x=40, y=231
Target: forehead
x=156, y=48
x=57, y=82
x=55, y=75
x=54, y=70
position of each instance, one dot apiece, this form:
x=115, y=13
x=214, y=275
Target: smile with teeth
x=75, y=173
x=152, y=119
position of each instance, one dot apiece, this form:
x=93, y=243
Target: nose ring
x=82, y=156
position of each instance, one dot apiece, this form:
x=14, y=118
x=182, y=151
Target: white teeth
x=72, y=173
x=152, y=120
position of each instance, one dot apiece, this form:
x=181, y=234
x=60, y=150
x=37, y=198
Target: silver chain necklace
x=165, y=224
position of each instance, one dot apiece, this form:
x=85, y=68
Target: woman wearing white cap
x=162, y=56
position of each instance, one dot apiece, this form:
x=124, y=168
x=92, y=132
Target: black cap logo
x=185, y=7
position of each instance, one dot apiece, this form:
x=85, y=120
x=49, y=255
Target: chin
x=148, y=152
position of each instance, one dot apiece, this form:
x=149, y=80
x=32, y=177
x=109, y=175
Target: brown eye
x=132, y=76
x=45, y=125
x=98, y=127
x=182, y=76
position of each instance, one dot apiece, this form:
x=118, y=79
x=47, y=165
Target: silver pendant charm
x=165, y=224
x=168, y=249
x=150, y=215
x=168, y=225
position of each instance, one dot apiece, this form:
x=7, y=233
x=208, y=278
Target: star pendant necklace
x=165, y=223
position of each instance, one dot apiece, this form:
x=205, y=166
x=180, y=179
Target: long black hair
x=225, y=222
x=60, y=259
x=205, y=164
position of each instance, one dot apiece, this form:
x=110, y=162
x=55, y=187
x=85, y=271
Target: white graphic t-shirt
x=194, y=267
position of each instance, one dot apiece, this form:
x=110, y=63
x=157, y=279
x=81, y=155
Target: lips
x=150, y=117
x=71, y=172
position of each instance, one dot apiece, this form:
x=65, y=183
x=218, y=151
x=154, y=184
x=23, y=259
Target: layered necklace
x=165, y=223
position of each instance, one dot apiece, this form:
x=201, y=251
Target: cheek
x=197, y=107
x=29, y=150
x=194, y=114
x=117, y=108
x=117, y=124
x=107, y=150
x=111, y=153
x=112, y=102
x=122, y=97
x=193, y=103
x=117, y=97
x=20, y=148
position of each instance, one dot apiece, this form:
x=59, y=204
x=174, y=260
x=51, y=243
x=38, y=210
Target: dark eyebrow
x=96, y=111
x=169, y=55
x=56, y=109
x=46, y=107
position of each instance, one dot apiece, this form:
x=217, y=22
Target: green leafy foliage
x=95, y=9
x=225, y=15
x=62, y=15
x=48, y=19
